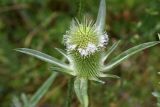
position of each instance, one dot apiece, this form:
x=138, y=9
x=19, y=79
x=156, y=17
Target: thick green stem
x=69, y=92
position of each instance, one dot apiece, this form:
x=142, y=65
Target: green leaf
x=43, y=57
x=64, y=54
x=110, y=50
x=100, y=22
x=42, y=90
x=96, y=79
x=126, y=54
x=37, y=96
x=25, y=100
x=109, y=75
x=156, y=94
x=55, y=68
x=16, y=102
x=81, y=88
x=159, y=36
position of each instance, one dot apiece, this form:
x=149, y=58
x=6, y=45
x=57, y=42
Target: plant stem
x=69, y=92
x=80, y=9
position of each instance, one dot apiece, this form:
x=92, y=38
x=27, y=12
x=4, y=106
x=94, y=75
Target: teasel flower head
x=85, y=41
x=85, y=38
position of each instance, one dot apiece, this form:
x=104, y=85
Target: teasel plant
x=85, y=53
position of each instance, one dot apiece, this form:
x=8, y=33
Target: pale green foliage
x=81, y=87
x=42, y=90
x=110, y=50
x=33, y=101
x=100, y=22
x=126, y=54
x=46, y=58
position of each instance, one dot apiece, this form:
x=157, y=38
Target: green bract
x=85, y=43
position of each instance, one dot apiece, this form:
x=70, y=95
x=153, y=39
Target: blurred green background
x=41, y=24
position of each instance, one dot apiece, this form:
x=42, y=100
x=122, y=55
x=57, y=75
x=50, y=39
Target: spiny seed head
x=85, y=38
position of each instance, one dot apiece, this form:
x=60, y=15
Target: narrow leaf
x=16, y=102
x=96, y=79
x=109, y=75
x=25, y=100
x=110, y=50
x=126, y=54
x=64, y=54
x=158, y=36
x=42, y=90
x=59, y=69
x=43, y=57
x=100, y=22
x=81, y=88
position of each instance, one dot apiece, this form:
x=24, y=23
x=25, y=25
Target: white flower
x=83, y=52
x=71, y=47
x=103, y=40
x=91, y=48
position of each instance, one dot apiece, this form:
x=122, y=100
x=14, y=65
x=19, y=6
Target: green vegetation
x=41, y=25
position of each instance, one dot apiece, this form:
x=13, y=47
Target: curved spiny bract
x=88, y=67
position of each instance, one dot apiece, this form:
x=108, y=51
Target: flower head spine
x=85, y=38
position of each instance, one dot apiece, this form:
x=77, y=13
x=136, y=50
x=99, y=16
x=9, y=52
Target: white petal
x=103, y=40
x=91, y=48
x=83, y=52
x=73, y=47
